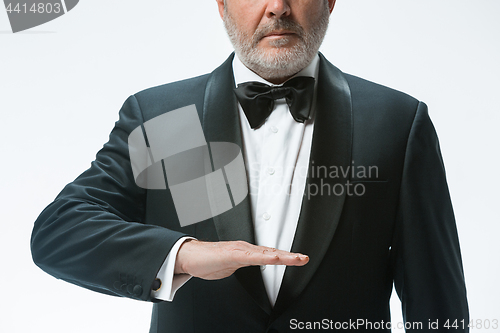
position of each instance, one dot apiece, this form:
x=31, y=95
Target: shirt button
x=273, y=129
x=271, y=171
x=263, y=268
x=266, y=216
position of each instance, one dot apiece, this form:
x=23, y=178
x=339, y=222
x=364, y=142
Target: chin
x=277, y=59
x=276, y=56
x=278, y=65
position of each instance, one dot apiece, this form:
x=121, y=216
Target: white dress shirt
x=277, y=159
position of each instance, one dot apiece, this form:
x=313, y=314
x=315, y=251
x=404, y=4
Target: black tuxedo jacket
x=106, y=234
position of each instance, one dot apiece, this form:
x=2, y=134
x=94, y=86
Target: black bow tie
x=257, y=99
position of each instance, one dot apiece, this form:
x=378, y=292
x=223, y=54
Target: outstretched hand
x=217, y=260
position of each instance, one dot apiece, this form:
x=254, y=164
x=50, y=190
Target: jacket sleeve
x=93, y=234
x=428, y=271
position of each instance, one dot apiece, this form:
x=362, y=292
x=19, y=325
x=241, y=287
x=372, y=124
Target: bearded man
x=323, y=251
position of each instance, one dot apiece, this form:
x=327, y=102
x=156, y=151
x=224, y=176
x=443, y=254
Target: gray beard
x=285, y=63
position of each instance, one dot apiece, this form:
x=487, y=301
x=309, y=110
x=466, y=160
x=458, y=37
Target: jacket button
x=137, y=290
x=130, y=289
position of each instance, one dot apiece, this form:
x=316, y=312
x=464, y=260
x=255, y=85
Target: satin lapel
x=320, y=214
x=221, y=124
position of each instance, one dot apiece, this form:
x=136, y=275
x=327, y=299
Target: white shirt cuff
x=170, y=282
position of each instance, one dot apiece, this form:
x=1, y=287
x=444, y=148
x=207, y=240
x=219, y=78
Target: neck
x=274, y=76
x=245, y=73
x=274, y=80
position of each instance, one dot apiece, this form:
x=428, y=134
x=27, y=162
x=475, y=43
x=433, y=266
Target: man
x=371, y=209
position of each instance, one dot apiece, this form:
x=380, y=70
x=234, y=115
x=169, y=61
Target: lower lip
x=278, y=36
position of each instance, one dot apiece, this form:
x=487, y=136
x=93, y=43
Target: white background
x=62, y=84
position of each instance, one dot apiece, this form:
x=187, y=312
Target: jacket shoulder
x=366, y=91
x=382, y=114
x=171, y=96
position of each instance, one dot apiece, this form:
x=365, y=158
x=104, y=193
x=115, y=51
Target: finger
x=268, y=256
x=245, y=246
x=254, y=256
x=291, y=259
x=242, y=254
x=280, y=253
x=285, y=256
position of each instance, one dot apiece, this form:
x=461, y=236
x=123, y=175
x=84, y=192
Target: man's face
x=276, y=38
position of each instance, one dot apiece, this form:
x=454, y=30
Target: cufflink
x=156, y=285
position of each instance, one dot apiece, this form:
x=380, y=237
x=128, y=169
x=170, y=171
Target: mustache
x=279, y=24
